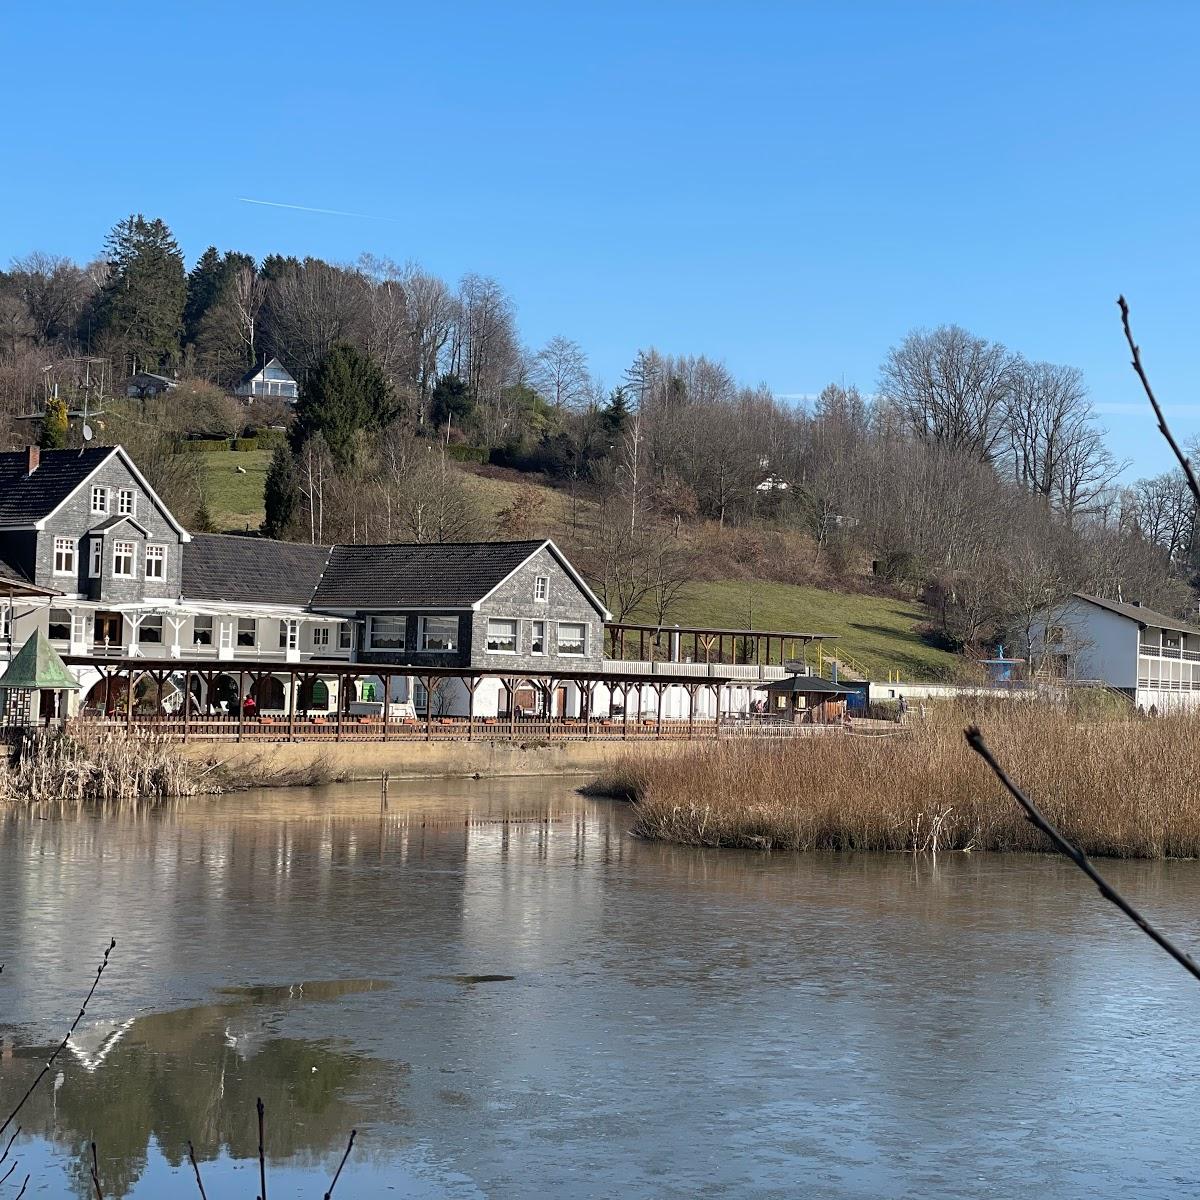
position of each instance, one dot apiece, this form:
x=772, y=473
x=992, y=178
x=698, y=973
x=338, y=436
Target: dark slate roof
x=251, y=570
x=452, y=575
x=1139, y=613
x=113, y=521
x=811, y=685
x=26, y=498
x=16, y=582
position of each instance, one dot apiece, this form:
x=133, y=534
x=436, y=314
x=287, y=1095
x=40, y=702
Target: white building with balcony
x=1151, y=657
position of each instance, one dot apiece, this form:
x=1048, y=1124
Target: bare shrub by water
x=1114, y=785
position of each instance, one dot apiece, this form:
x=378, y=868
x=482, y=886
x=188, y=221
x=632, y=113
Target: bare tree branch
x=1163, y=428
x=262, y=1158
x=61, y=1045
x=337, y=1173
x=196, y=1168
x=1077, y=856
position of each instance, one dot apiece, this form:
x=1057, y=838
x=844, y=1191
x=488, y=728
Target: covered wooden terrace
x=678, y=643
x=135, y=693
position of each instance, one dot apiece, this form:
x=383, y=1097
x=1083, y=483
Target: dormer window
x=156, y=562
x=100, y=501
x=541, y=589
x=126, y=502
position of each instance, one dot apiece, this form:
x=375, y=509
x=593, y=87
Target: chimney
x=34, y=459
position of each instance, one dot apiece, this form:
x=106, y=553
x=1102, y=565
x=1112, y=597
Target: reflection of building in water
x=195, y=1074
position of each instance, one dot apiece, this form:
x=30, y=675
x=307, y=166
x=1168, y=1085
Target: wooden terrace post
x=660, y=689
x=387, y=703
x=343, y=691
x=691, y=691
x=429, y=708
x=625, y=712
x=187, y=700
x=129, y=701
x=587, y=712
x=511, y=685
x=472, y=683
x=292, y=707
x=717, y=708
x=241, y=701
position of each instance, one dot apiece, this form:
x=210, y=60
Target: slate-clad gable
x=26, y=498
x=245, y=570
x=454, y=575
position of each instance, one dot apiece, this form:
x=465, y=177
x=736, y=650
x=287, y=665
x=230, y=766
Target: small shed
x=808, y=699
x=36, y=671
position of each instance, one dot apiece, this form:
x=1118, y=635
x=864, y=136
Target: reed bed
x=1116, y=786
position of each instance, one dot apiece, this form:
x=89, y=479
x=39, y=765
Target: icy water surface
x=507, y=996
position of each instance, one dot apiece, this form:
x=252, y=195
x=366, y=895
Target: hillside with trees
x=965, y=478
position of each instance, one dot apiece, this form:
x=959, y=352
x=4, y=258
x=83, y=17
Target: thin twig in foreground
x=10, y=1143
x=1077, y=856
x=112, y=945
x=1163, y=428
x=12, y=1167
x=96, y=1174
x=23, y=1187
x=196, y=1168
x=262, y=1158
x=337, y=1173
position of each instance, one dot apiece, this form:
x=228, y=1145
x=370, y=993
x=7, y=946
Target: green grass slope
x=235, y=500
x=880, y=632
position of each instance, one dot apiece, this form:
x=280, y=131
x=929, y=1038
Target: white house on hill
x=271, y=379
x=1152, y=657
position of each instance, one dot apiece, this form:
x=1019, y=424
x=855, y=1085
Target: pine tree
x=204, y=284
x=345, y=395
x=279, y=493
x=141, y=307
x=451, y=400
x=54, y=425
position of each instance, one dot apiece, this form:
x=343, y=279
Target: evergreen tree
x=54, y=425
x=141, y=306
x=451, y=400
x=279, y=493
x=204, y=284
x=615, y=417
x=344, y=395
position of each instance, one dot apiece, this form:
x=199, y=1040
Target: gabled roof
x=809, y=685
x=255, y=372
x=31, y=499
x=119, y=519
x=26, y=498
x=250, y=570
x=425, y=575
x=1139, y=613
x=36, y=666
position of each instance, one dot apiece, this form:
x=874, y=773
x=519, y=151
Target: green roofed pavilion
x=37, y=667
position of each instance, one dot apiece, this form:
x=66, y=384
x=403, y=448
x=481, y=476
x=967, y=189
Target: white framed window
x=126, y=502
x=64, y=556
x=100, y=500
x=387, y=633
x=5, y=622
x=156, y=562
x=151, y=630
x=320, y=637
x=247, y=631
x=60, y=625
x=501, y=635
x=123, y=555
x=345, y=636
x=537, y=641
x=96, y=566
x=541, y=588
x=572, y=638
x=438, y=635
x=202, y=631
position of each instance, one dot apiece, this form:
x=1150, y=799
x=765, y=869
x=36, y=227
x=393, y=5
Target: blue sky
x=787, y=187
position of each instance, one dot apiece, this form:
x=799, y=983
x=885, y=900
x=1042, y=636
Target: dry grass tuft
x=1115, y=786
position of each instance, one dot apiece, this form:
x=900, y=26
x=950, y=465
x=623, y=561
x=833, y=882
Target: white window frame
x=100, y=500
x=157, y=553
x=146, y=624
x=423, y=634
x=541, y=589
x=320, y=637
x=6, y=621
x=64, y=556
x=50, y=621
x=208, y=628
x=533, y=637
x=345, y=636
x=515, y=637
x=558, y=639
x=237, y=633
x=124, y=494
x=96, y=555
x=131, y=554
x=397, y=632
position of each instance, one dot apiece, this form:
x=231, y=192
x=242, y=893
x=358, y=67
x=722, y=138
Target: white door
x=79, y=633
x=224, y=639
x=293, y=641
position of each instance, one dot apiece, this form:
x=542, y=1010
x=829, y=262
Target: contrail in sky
x=329, y=212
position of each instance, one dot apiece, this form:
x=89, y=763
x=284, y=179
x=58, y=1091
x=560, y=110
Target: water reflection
x=150, y=1084
x=575, y=1012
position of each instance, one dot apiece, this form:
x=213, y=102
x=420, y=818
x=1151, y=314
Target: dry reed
x=1116, y=786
